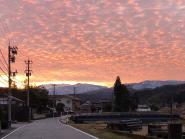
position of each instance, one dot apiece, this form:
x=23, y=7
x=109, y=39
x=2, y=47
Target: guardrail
x=144, y=117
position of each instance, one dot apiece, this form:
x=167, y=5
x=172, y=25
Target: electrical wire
x=3, y=71
x=4, y=66
x=3, y=57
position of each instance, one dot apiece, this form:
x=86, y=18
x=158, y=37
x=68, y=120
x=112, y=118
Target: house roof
x=12, y=97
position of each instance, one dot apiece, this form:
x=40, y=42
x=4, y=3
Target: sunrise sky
x=93, y=41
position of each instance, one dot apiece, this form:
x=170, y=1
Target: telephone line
x=3, y=71
x=3, y=57
x=4, y=65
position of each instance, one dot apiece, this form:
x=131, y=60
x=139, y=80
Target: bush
x=154, y=107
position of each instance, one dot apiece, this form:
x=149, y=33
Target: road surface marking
x=79, y=130
x=14, y=131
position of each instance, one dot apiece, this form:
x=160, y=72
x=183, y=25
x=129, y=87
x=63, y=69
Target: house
x=71, y=103
x=17, y=107
x=96, y=107
x=14, y=101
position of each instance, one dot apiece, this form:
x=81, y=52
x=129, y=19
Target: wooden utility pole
x=74, y=91
x=54, y=85
x=12, y=51
x=9, y=87
x=171, y=109
x=28, y=74
x=112, y=109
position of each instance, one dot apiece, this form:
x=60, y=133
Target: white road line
x=79, y=130
x=14, y=131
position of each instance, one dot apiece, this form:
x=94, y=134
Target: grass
x=99, y=130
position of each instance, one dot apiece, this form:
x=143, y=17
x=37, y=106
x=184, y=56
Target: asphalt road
x=47, y=129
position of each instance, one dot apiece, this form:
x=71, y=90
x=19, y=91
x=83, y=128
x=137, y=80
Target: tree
x=121, y=97
x=38, y=98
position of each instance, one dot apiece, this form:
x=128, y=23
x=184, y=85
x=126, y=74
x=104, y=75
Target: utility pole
x=54, y=85
x=28, y=74
x=171, y=108
x=12, y=51
x=112, y=109
x=74, y=91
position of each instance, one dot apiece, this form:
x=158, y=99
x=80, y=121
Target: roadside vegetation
x=99, y=130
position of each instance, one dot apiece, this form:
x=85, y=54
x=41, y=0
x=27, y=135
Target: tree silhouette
x=121, y=97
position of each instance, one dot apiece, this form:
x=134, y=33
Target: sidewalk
x=4, y=132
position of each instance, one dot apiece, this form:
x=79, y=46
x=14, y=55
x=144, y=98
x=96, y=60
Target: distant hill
x=157, y=95
x=163, y=94
x=153, y=84
x=63, y=89
x=95, y=96
x=147, y=91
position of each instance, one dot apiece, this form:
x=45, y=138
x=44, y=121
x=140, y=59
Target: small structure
x=15, y=101
x=17, y=105
x=71, y=103
x=143, y=108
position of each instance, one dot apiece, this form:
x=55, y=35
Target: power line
x=5, y=30
x=3, y=57
x=3, y=71
x=4, y=65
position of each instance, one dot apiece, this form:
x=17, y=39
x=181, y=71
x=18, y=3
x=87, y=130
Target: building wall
x=66, y=101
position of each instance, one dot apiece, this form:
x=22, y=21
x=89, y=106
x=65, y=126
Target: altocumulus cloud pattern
x=76, y=40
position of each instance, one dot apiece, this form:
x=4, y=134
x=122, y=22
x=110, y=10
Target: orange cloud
x=94, y=41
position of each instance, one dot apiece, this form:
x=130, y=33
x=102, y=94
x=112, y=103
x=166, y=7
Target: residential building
x=71, y=103
x=15, y=101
